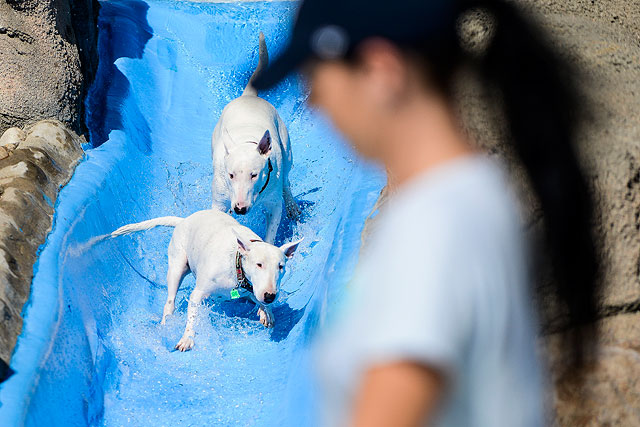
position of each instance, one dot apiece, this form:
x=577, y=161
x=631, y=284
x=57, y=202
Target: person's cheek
x=318, y=91
x=323, y=94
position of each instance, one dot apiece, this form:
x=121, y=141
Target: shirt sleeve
x=416, y=296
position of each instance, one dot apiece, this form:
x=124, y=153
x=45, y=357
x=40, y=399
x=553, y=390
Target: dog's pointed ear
x=290, y=248
x=264, y=146
x=226, y=141
x=243, y=244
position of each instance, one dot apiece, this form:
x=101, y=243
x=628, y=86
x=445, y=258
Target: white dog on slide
x=227, y=259
x=252, y=156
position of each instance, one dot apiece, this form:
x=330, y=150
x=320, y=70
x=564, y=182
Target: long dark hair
x=541, y=105
x=543, y=110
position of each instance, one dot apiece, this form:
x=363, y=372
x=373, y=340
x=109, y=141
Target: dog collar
x=268, y=176
x=243, y=282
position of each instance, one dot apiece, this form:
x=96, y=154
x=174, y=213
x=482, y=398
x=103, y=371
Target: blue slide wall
x=92, y=351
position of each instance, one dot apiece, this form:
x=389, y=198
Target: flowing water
x=92, y=351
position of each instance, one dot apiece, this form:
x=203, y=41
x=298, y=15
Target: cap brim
x=292, y=57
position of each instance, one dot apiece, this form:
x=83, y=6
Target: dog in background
x=252, y=156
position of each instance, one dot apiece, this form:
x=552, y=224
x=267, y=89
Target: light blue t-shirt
x=443, y=281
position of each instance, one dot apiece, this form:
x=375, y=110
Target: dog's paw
x=266, y=318
x=186, y=343
x=293, y=210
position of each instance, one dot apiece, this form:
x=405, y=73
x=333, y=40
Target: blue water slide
x=92, y=350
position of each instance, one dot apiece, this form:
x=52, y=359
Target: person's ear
x=290, y=248
x=264, y=146
x=385, y=69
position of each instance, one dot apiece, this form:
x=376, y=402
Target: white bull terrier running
x=252, y=156
x=227, y=259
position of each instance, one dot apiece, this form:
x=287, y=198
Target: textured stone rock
x=603, y=40
x=11, y=138
x=30, y=179
x=47, y=60
x=610, y=146
x=48, y=57
x=611, y=393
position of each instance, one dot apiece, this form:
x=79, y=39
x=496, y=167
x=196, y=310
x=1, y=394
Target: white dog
x=227, y=259
x=252, y=156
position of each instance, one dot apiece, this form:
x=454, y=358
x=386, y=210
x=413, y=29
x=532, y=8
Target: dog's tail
x=263, y=62
x=167, y=221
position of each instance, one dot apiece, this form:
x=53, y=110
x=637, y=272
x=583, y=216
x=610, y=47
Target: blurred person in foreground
x=439, y=326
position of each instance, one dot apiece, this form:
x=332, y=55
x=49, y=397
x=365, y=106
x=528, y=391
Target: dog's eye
x=231, y=176
x=254, y=175
x=281, y=267
x=259, y=265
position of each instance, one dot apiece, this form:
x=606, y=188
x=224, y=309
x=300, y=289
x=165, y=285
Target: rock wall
x=47, y=60
x=606, y=40
x=35, y=163
x=603, y=40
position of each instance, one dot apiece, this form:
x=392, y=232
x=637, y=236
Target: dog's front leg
x=266, y=316
x=186, y=342
x=274, y=214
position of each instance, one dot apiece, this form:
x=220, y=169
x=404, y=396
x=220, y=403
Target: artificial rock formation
x=35, y=163
x=48, y=57
x=602, y=39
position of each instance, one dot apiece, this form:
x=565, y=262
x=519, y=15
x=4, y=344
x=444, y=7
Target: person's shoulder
x=450, y=202
x=455, y=181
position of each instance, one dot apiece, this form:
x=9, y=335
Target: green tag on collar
x=235, y=294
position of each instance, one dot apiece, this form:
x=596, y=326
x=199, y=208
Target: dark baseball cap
x=330, y=29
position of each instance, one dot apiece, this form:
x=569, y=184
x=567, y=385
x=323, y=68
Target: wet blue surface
x=92, y=351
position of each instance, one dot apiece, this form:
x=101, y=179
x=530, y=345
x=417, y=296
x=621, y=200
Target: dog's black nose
x=269, y=298
x=240, y=211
